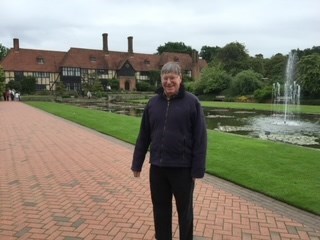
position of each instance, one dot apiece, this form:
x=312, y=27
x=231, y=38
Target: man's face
x=171, y=83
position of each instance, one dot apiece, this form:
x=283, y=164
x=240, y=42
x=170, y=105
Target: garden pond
x=302, y=129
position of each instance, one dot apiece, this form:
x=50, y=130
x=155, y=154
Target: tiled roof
x=84, y=58
x=112, y=60
x=29, y=60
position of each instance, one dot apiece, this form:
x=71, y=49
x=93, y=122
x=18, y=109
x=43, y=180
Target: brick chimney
x=105, y=42
x=130, y=48
x=16, y=44
x=195, y=71
x=195, y=56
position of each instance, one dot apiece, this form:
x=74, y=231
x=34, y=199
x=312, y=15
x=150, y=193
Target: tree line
x=233, y=73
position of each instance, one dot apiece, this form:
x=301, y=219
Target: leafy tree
x=28, y=85
x=257, y=64
x=15, y=84
x=155, y=79
x=60, y=89
x=246, y=82
x=178, y=47
x=308, y=51
x=93, y=84
x=309, y=74
x=234, y=58
x=213, y=80
x=263, y=94
x=97, y=86
x=114, y=84
x=209, y=53
x=275, y=67
x=3, y=51
x=2, y=81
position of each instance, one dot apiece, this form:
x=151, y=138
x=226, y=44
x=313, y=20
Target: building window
x=18, y=75
x=84, y=72
x=146, y=62
x=142, y=76
x=40, y=60
x=41, y=74
x=93, y=59
x=102, y=71
x=68, y=71
x=187, y=73
x=40, y=87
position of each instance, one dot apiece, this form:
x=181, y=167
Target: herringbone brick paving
x=62, y=181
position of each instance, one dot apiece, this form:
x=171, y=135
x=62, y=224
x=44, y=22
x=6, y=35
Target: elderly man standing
x=173, y=125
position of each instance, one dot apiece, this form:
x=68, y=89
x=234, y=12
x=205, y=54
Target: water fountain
x=290, y=100
x=284, y=124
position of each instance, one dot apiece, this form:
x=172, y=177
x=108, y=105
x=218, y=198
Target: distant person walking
x=173, y=125
x=89, y=94
x=12, y=94
x=8, y=92
x=17, y=96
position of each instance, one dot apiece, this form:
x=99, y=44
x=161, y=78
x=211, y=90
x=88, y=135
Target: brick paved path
x=62, y=181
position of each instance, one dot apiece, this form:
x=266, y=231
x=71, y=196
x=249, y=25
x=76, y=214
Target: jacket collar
x=180, y=94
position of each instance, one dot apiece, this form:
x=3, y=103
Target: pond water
x=301, y=130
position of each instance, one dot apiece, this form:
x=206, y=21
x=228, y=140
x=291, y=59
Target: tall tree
x=309, y=74
x=209, y=53
x=275, y=68
x=154, y=78
x=234, y=57
x=308, y=51
x=213, y=80
x=3, y=52
x=178, y=47
x=257, y=64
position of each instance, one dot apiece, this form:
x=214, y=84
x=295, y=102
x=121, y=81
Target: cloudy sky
x=263, y=26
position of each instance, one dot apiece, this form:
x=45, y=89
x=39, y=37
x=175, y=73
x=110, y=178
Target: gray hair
x=171, y=67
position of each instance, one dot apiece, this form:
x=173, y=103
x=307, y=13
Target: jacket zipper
x=164, y=127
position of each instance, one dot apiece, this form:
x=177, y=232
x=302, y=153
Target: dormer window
x=40, y=60
x=146, y=62
x=93, y=59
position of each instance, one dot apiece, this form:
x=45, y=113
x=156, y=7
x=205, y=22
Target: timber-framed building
x=75, y=66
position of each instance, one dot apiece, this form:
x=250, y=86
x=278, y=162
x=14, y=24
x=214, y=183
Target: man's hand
x=136, y=174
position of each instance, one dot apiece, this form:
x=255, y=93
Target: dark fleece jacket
x=175, y=130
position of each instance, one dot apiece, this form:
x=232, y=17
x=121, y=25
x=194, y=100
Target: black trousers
x=166, y=182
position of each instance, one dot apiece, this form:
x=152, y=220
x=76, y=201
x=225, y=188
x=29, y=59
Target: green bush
x=263, y=95
x=114, y=84
x=189, y=86
x=246, y=82
x=144, y=87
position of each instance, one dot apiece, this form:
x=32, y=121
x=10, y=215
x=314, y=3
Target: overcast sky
x=263, y=26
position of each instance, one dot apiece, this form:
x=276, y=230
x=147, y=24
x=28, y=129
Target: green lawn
x=285, y=172
x=306, y=109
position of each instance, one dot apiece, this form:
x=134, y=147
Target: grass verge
x=285, y=172
x=305, y=109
